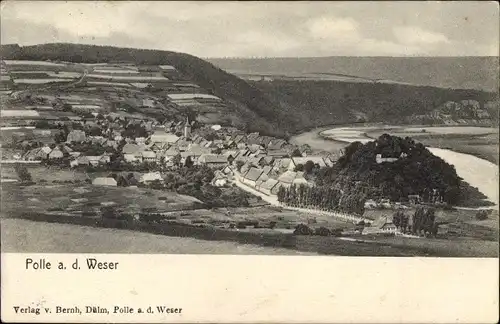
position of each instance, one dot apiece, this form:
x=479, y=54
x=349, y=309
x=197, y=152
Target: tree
x=299, y=167
x=42, y=124
x=59, y=137
x=189, y=162
x=281, y=194
x=296, y=153
x=66, y=107
x=95, y=131
x=482, y=215
x=239, y=164
x=303, y=229
x=176, y=160
x=23, y=173
x=308, y=167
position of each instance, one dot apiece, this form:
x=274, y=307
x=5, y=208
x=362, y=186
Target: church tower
x=187, y=128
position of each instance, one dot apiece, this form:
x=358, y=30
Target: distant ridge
x=480, y=73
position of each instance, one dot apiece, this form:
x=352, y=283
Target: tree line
x=321, y=197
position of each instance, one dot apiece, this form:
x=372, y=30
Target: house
x=230, y=144
x=291, y=177
x=158, y=146
x=281, y=165
x=112, y=143
x=213, y=160
x=246, y=167
x=254, y=148
x=131, y=148
x=56, y=153
x=261, y=179
x=171, y=152
x=162, y=137
x=148, y=156
x=265, y=140
x=125, y=179
x=276, y=145
x=228, y=171
x=35, y=154
x=76, y=136
x=219, y=179
x=255, y=160
x=379, y=159
x=104, y=181
x=269, y=187
x=250, y=178
x=238, y=138
x=370, y=203
x=414, y=199
x=148, y=103
x=278, y=153
x=133, y=157
x=81, y=160
x=195, y=151
x=383, y=224
x=231, y=155
x=96, y=160
x=267, y=160
x=150, y=177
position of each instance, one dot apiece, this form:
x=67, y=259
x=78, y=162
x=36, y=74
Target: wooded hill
x=415, y=171
x=278, y=108
x=389, y=167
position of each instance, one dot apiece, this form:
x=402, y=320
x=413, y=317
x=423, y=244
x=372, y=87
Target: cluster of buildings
x=462, y=112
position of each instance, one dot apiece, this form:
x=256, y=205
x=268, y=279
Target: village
x=136, y=126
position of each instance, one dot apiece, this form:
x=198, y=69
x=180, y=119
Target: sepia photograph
x=355, y=129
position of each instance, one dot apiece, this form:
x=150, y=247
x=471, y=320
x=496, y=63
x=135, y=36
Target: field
x=43, y=174
x=262, y=216
x=36, y=237
x=88, y=199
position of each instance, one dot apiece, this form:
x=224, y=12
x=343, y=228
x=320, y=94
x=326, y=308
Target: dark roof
x=253, y=174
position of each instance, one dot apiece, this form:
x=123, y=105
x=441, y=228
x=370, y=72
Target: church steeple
x=187, y=128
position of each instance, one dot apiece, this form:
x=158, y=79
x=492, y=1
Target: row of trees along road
x=322, y=197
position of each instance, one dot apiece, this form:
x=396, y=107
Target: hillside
x=480, y=73
x=249, y=106
x=318, y=103
x=277, y=108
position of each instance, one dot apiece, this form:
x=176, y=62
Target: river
x=477, y=172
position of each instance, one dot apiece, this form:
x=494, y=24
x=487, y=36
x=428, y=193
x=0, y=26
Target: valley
x=167, y=144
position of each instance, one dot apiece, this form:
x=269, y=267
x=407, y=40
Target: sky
x=261, y=28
